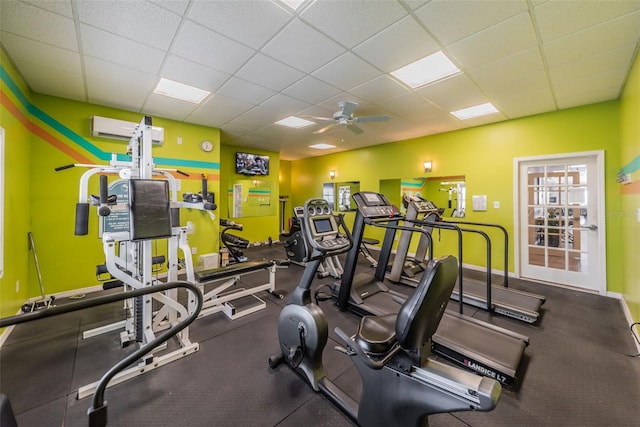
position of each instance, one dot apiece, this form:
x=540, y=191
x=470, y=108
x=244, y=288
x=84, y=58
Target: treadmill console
x=322, y=229
x=374, y=205
x=425, y=206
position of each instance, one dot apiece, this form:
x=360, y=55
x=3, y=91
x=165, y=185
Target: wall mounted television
x=252, y=164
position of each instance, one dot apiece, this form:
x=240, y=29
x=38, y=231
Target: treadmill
x=484, y=348
x=506, y=301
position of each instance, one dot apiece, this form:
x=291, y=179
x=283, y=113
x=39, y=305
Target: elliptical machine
x=400, y=385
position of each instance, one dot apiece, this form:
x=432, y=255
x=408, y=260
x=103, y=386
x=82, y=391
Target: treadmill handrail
x=381, y=222
x=506, y=243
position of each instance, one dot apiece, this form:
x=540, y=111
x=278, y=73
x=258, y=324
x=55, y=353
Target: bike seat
x=377, y=334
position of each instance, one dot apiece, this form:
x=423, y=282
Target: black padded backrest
x=7, y=418
x=420, y=315
x=149, y=209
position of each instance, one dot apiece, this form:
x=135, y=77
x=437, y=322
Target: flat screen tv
x=252, y=164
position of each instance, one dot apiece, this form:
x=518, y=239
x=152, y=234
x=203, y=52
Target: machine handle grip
x=61, y=168
x=104, y=210
x=82, y=219
x=181, y=172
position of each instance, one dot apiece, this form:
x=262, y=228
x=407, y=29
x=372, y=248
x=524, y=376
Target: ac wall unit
x=104, y=127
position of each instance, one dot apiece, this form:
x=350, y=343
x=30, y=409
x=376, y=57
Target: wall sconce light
x=427, y=166
x=332, y=174
x=256, y=182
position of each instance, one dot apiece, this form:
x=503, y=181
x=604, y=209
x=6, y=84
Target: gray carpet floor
x=576, y=371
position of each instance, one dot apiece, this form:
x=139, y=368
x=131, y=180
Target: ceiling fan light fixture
x=427, y=70
x=180, y=91
x=322, y=146
x=295, y=122
x=475, y=111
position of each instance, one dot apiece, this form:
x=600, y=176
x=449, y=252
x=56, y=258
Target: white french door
x=561, y=219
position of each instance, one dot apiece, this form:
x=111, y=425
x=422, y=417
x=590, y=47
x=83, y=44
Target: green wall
x=255, y=228
x=485, y=156
x=630, y=200
x=14, y=118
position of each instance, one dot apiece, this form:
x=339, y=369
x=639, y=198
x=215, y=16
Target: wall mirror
x=338, y=195
x=251, y=197
x=447, y=192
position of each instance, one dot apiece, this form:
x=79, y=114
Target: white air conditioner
x=104, y=127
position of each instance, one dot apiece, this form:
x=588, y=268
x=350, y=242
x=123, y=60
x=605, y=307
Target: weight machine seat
x=232, y=270
x=419, y=316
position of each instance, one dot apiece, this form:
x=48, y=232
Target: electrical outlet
x=17, y=286
x=179, y=140
x=496, y=205
x=194, y=250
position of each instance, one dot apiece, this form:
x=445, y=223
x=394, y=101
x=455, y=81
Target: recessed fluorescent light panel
x=181, y=91
x=293, y=4
x=295, y=122
x=426, y=70
x=322, y=146
x=476, y=111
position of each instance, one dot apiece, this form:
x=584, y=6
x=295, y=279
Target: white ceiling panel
x=453, y=93
x=449, y=21
x=302, y=47
x=119, y=50
x=245, y=91
x=594, y=40
x=489, y=45
x=136, y=20
x=61, y=7
x=269, y=73
x=311, y=89
x=263, y=60
x=251, y=22
x=558, y=18
x=52, y=81
x=160, y=105
x=336, y=19
x=398, y=45
x=32, y=22
x=201, y=45
x=346, y=72
x=183, y=70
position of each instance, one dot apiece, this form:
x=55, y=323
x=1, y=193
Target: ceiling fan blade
x=324, y=119
x=371, y=119
x=348, y=107
x=324, y=129
x=355, y=129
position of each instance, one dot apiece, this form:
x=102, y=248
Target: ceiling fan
x=345, y=117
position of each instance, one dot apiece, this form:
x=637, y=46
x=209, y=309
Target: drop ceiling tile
x=331, y=104
x=245, y=91
x=379, y=89
x=252, y=120
x=41, y=54
x=346, y=72
x=449, y=21
x=530, y=97
x=594, y=40
x=164, y=106
x=336, y=20
x=311, y=90
x=302, y=47
x=52, y=81
x=589, y=96
x=269, y=73
x=26, y=20
x=218, y=110
x=400, y=44
x=285, y=104
x=185, y=71
x=507, y=72
x=178, y=7
x=249, y=22
x=112, y=48
x=558, y=18
x=206, y=47
x=61, y=7
x=141, y=21
x=453, y=93
x=489, y=45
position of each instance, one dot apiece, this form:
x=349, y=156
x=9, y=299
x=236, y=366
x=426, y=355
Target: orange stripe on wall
x=633, y=188
x=15, y=112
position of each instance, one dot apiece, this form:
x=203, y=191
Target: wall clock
x=206, y=146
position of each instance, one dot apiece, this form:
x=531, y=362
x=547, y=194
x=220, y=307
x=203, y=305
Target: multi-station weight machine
x=138, y=208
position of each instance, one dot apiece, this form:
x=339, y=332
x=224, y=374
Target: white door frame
x=601, y=223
